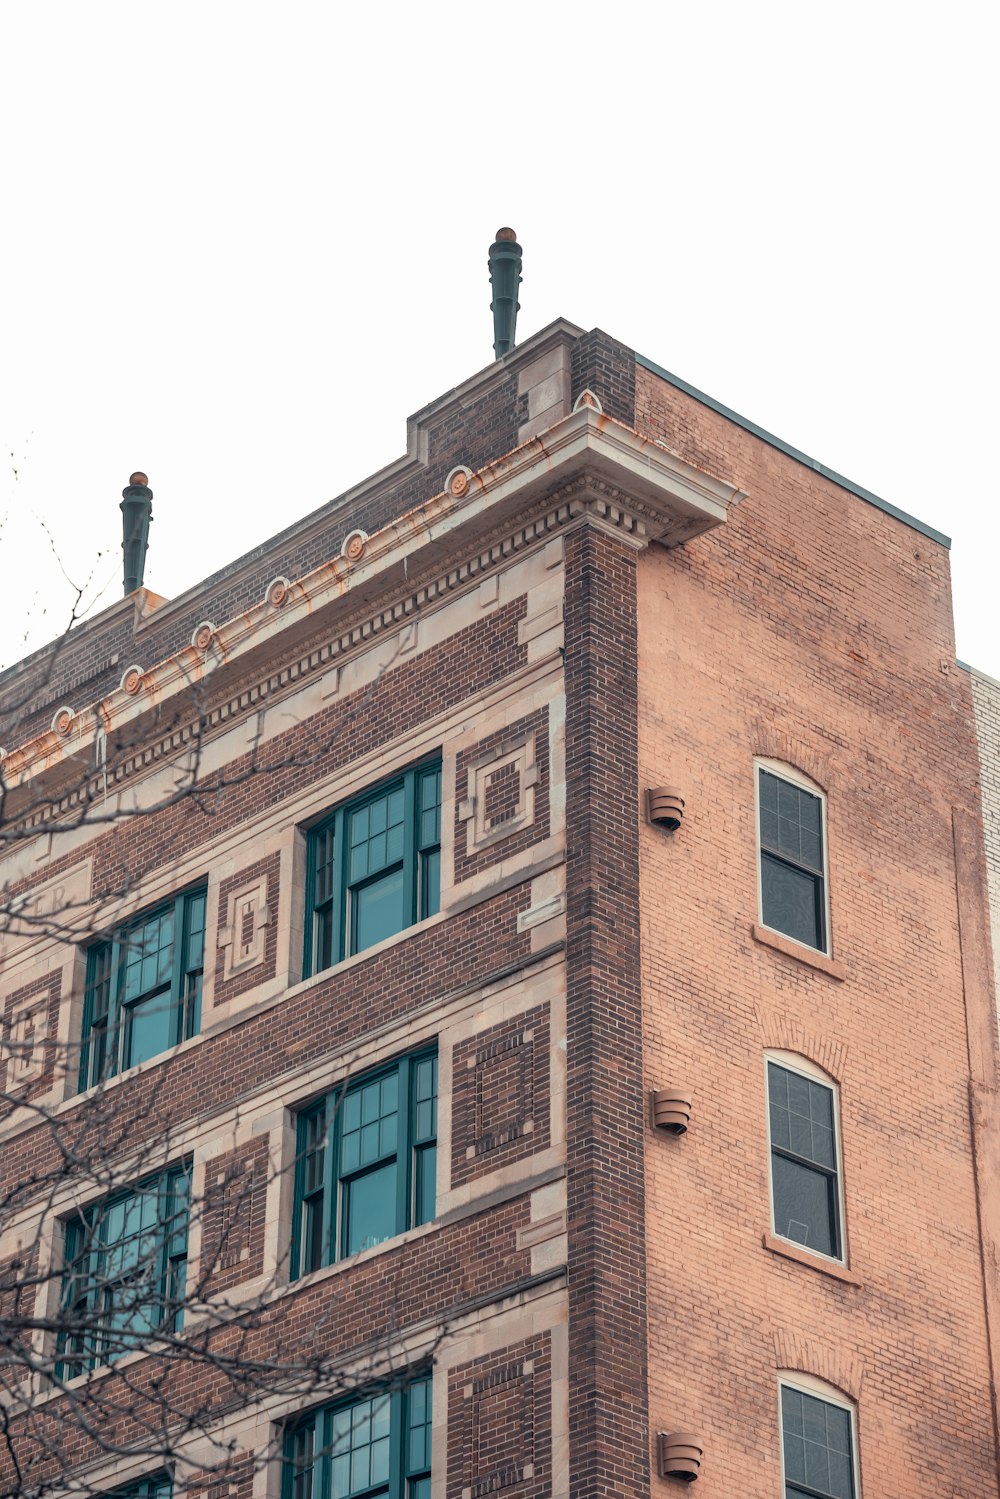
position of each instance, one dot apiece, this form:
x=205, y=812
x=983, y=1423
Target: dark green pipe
x=137, y=512
x=505, y=277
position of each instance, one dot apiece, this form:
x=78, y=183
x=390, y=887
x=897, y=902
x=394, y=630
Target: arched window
x=803, y=1125
x=791, y=855
x=819, y=1445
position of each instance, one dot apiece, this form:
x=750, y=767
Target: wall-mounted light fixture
x=670, y=1108
x=679, y=1455
x=665, y=807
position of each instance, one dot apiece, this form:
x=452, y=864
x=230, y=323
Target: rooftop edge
x=796, y=453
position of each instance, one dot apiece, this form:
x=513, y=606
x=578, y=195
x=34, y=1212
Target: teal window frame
x=158, y=1486
x=334, y=1164
x=373, y=1446
x=126, y=1270
x=339, y=876
x=120, y=993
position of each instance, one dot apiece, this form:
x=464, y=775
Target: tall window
x=805, y=1185
x=817, y=1446
x=367, y=1159
x=126, y=1264
x=143, y=991
x=380, y=1444
x=374, y=867
x=791, y=839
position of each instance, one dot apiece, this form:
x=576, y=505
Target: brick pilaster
x=609, y=1442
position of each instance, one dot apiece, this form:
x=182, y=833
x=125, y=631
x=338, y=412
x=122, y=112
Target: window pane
x=371, y=1208
x=801, y=1113
x=791, y=901
x=418, y=1457
x=425, y=1191
x=378, y=910
x=804, y=1205
x=150, y=1028
x=816, y=1445
x=430, y=883
x=196, y=931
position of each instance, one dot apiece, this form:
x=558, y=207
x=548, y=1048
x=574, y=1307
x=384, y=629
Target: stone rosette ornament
x=203, y=636
x=62, y=720
x=276, y=593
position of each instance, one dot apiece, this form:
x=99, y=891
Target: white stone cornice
x=585, y=466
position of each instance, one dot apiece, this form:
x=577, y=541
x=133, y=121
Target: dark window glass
x=792, y=872
x=379, y=1444
x=803, y=1160
x=374, y=868
x=816, y=1441
x=366, y=1166
x=143, y=992
x=126, y=1266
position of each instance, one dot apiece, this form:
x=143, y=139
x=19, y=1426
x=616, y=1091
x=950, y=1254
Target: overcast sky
x=243, y=242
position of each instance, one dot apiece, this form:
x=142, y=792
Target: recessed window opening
x=370, y=1446
x=803, y=1132
x=374, y=867
x=791, y=838
x=818, y=1442
x=366, y=1166
x=143, y=988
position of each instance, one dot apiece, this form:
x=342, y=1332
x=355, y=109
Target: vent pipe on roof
x=505, y=278
x=137, y=512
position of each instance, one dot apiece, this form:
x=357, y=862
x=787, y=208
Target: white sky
x=242, y=242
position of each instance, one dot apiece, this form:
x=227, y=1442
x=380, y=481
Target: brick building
x=399, y=1026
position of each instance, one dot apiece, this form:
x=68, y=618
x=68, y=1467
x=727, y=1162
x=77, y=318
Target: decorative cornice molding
x=587, y=469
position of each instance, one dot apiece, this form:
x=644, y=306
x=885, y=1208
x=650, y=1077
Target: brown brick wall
x=607, y=1323
x=363, y=1305
x=476, y=657
x=816, y=629
x=500, y=1423
x=607, y=367
x=233, y=1218
x=500, y=1095
x=327, y=1017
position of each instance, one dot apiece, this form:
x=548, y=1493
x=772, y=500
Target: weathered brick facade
x=563, y=608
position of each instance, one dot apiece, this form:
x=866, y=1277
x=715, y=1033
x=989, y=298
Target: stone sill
x=803, y=1256
x=798, y=951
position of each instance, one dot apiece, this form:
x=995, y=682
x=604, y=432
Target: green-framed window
x=158, y=1486
x=378, y=1444
x=374, y=867
x=126, y=1266
x=143, y=992
x=366, y=1163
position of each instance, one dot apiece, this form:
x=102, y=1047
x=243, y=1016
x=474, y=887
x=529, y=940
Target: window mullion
x=175, y=996
x=115, y=1029
x=410, y=845
x=334, y=1217
x=404, y=1150
x=802, y=1160
x=341, y=889
x=397, y=1439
